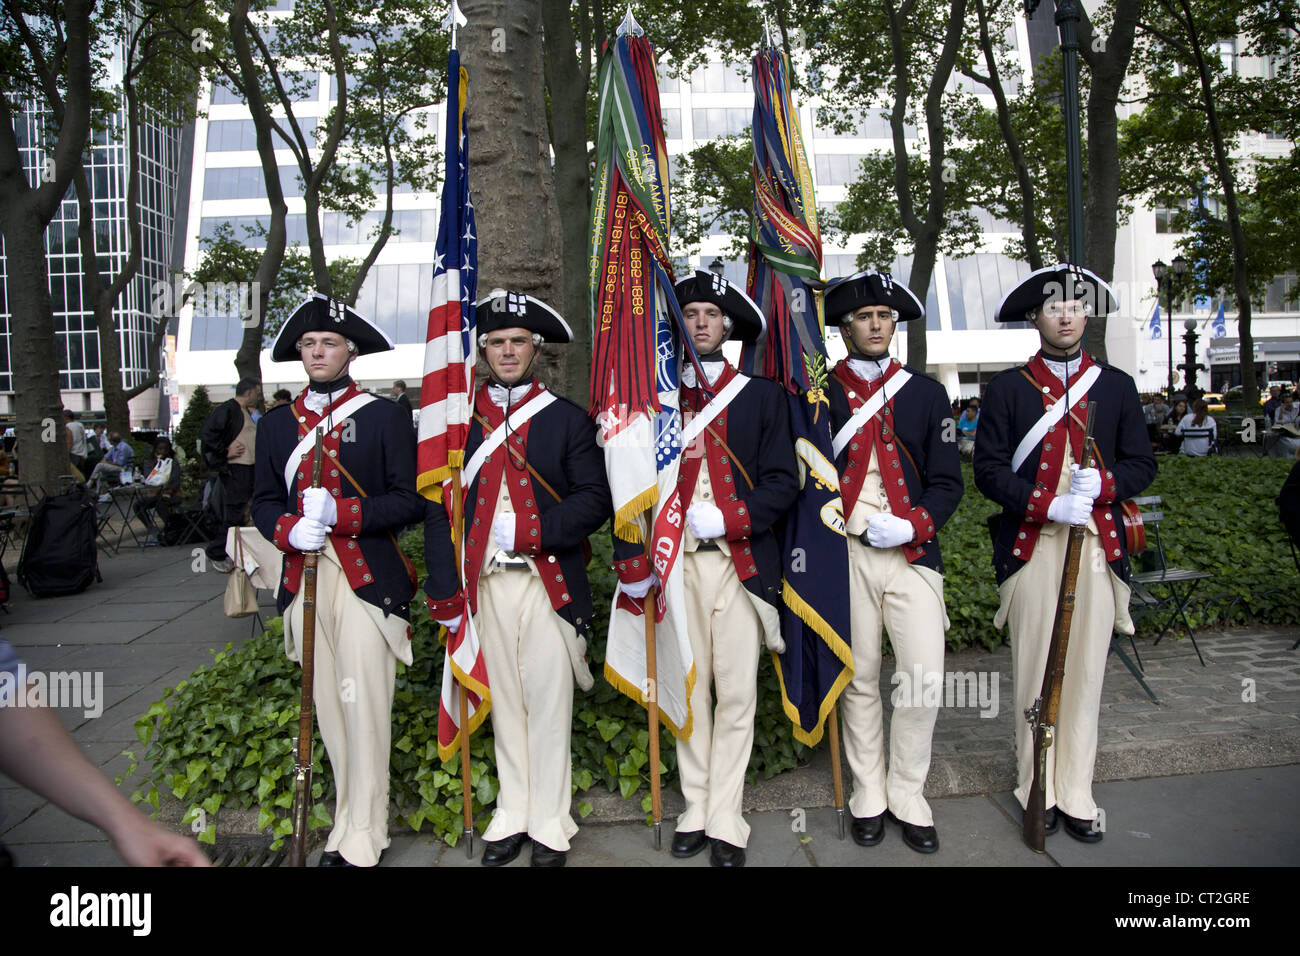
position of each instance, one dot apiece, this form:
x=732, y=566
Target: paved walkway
x=1169, y=774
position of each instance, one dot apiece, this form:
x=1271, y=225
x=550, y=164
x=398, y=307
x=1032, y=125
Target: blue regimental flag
x=1219, y=329
x=1155, y=322
x=785, y=260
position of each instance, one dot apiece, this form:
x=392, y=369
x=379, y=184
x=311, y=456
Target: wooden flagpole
x=837, y=773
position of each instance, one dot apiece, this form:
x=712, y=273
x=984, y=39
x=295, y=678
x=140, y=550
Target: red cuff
x=1040, y=500
x=283, y=525
x=528, y=533
x=1109, y=491
x=349, y=517
x=922, y=525
x=632, y=570
x=735, y=520
x=446, y=608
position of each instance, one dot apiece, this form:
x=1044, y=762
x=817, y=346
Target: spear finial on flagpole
x=767, y=43
x=629, y=26
x=454, y=19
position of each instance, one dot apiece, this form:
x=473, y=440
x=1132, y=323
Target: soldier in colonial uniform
x=1026, y=460
x=534, y=490
x=737, y=480
x=364, y=582
x=900, y=481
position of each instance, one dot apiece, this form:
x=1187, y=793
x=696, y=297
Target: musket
x=1042, y=714
x=303, y=745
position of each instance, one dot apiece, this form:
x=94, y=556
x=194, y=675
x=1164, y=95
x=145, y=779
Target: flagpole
x=837, y=773
x=458, y=530
x=652, y=711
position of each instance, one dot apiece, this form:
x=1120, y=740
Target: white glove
x=503, y=531
x=453, y=624
x=888, y=531
x=1085, y=482
x=318, y=505
x=641, y=588
x=1070, y=509
x=307, y=535
x=705, y=520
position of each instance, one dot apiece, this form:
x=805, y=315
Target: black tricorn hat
x=321, y=313
x=1059, y=283
x=500, y=309
x=748, y=323
x=846, y=295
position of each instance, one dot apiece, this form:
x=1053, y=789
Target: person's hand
x=236, y=449
x=142, y=842
x=888, y=531
x=453, y=624
x=705, y=520
x=1070, y=509
x=1085, y=482
x=503, y=531
x=318, y=505
x=307, y=535
x=639, y=589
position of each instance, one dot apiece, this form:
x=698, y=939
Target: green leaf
x=265, y=817
x=209, y=834
x=584, y=809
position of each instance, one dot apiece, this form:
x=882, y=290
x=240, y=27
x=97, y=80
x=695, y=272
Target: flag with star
x=637, y=332
x=446, y=394
x=785, y=260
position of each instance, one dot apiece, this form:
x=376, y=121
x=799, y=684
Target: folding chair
x=1179, y=582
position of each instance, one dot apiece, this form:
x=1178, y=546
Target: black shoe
x=868, y=831
x=687, y=843
x=1051, y=822
x=1084, y=831
x=332, y=858
x=920, y=839
x=722, y=853
x=502, y=851
x=543, y=855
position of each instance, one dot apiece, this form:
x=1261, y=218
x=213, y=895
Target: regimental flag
x=634, y=385
x=1155, y=322
x=446, y=393
x=785, y=256
x=1219, y=329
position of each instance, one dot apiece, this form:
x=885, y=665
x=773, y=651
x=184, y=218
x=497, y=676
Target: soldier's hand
x=1085, y=482
x=705, y=520
x=318, y=505
x=639, y=589
x=1070, y=509
x=307, y=535
x=888, y=531
x=453, y=624
x=503, y=532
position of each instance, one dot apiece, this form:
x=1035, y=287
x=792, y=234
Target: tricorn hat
x=748, y=324
x=846, y=295
x=321, y=313
x=500, y=309
x=1059, y=283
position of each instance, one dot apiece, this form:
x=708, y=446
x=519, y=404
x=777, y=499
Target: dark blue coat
x=377, y=457
x=1013, y=404
x=562, y=449
x=923, y=425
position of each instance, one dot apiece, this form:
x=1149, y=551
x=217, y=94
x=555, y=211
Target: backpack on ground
x=60, y=555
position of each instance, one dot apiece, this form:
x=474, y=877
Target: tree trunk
x=1108, y=66
x=567, y=85
x=24, y=214
x=509, y=159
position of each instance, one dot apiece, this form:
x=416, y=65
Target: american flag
x=446, y=393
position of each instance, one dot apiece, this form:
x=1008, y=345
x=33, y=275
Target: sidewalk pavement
x=1208, y=776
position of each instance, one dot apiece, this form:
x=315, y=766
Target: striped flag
x=634, y=385
x=785, y=256
x=446, y=394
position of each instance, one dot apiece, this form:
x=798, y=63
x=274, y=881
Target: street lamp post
x=1165, y=282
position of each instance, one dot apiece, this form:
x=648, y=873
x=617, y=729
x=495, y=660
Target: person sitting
x=1286, y=427
x=966, y=426
x=1198, y=446
x=162, y=484
x=1170, y=424
x=119, y=456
